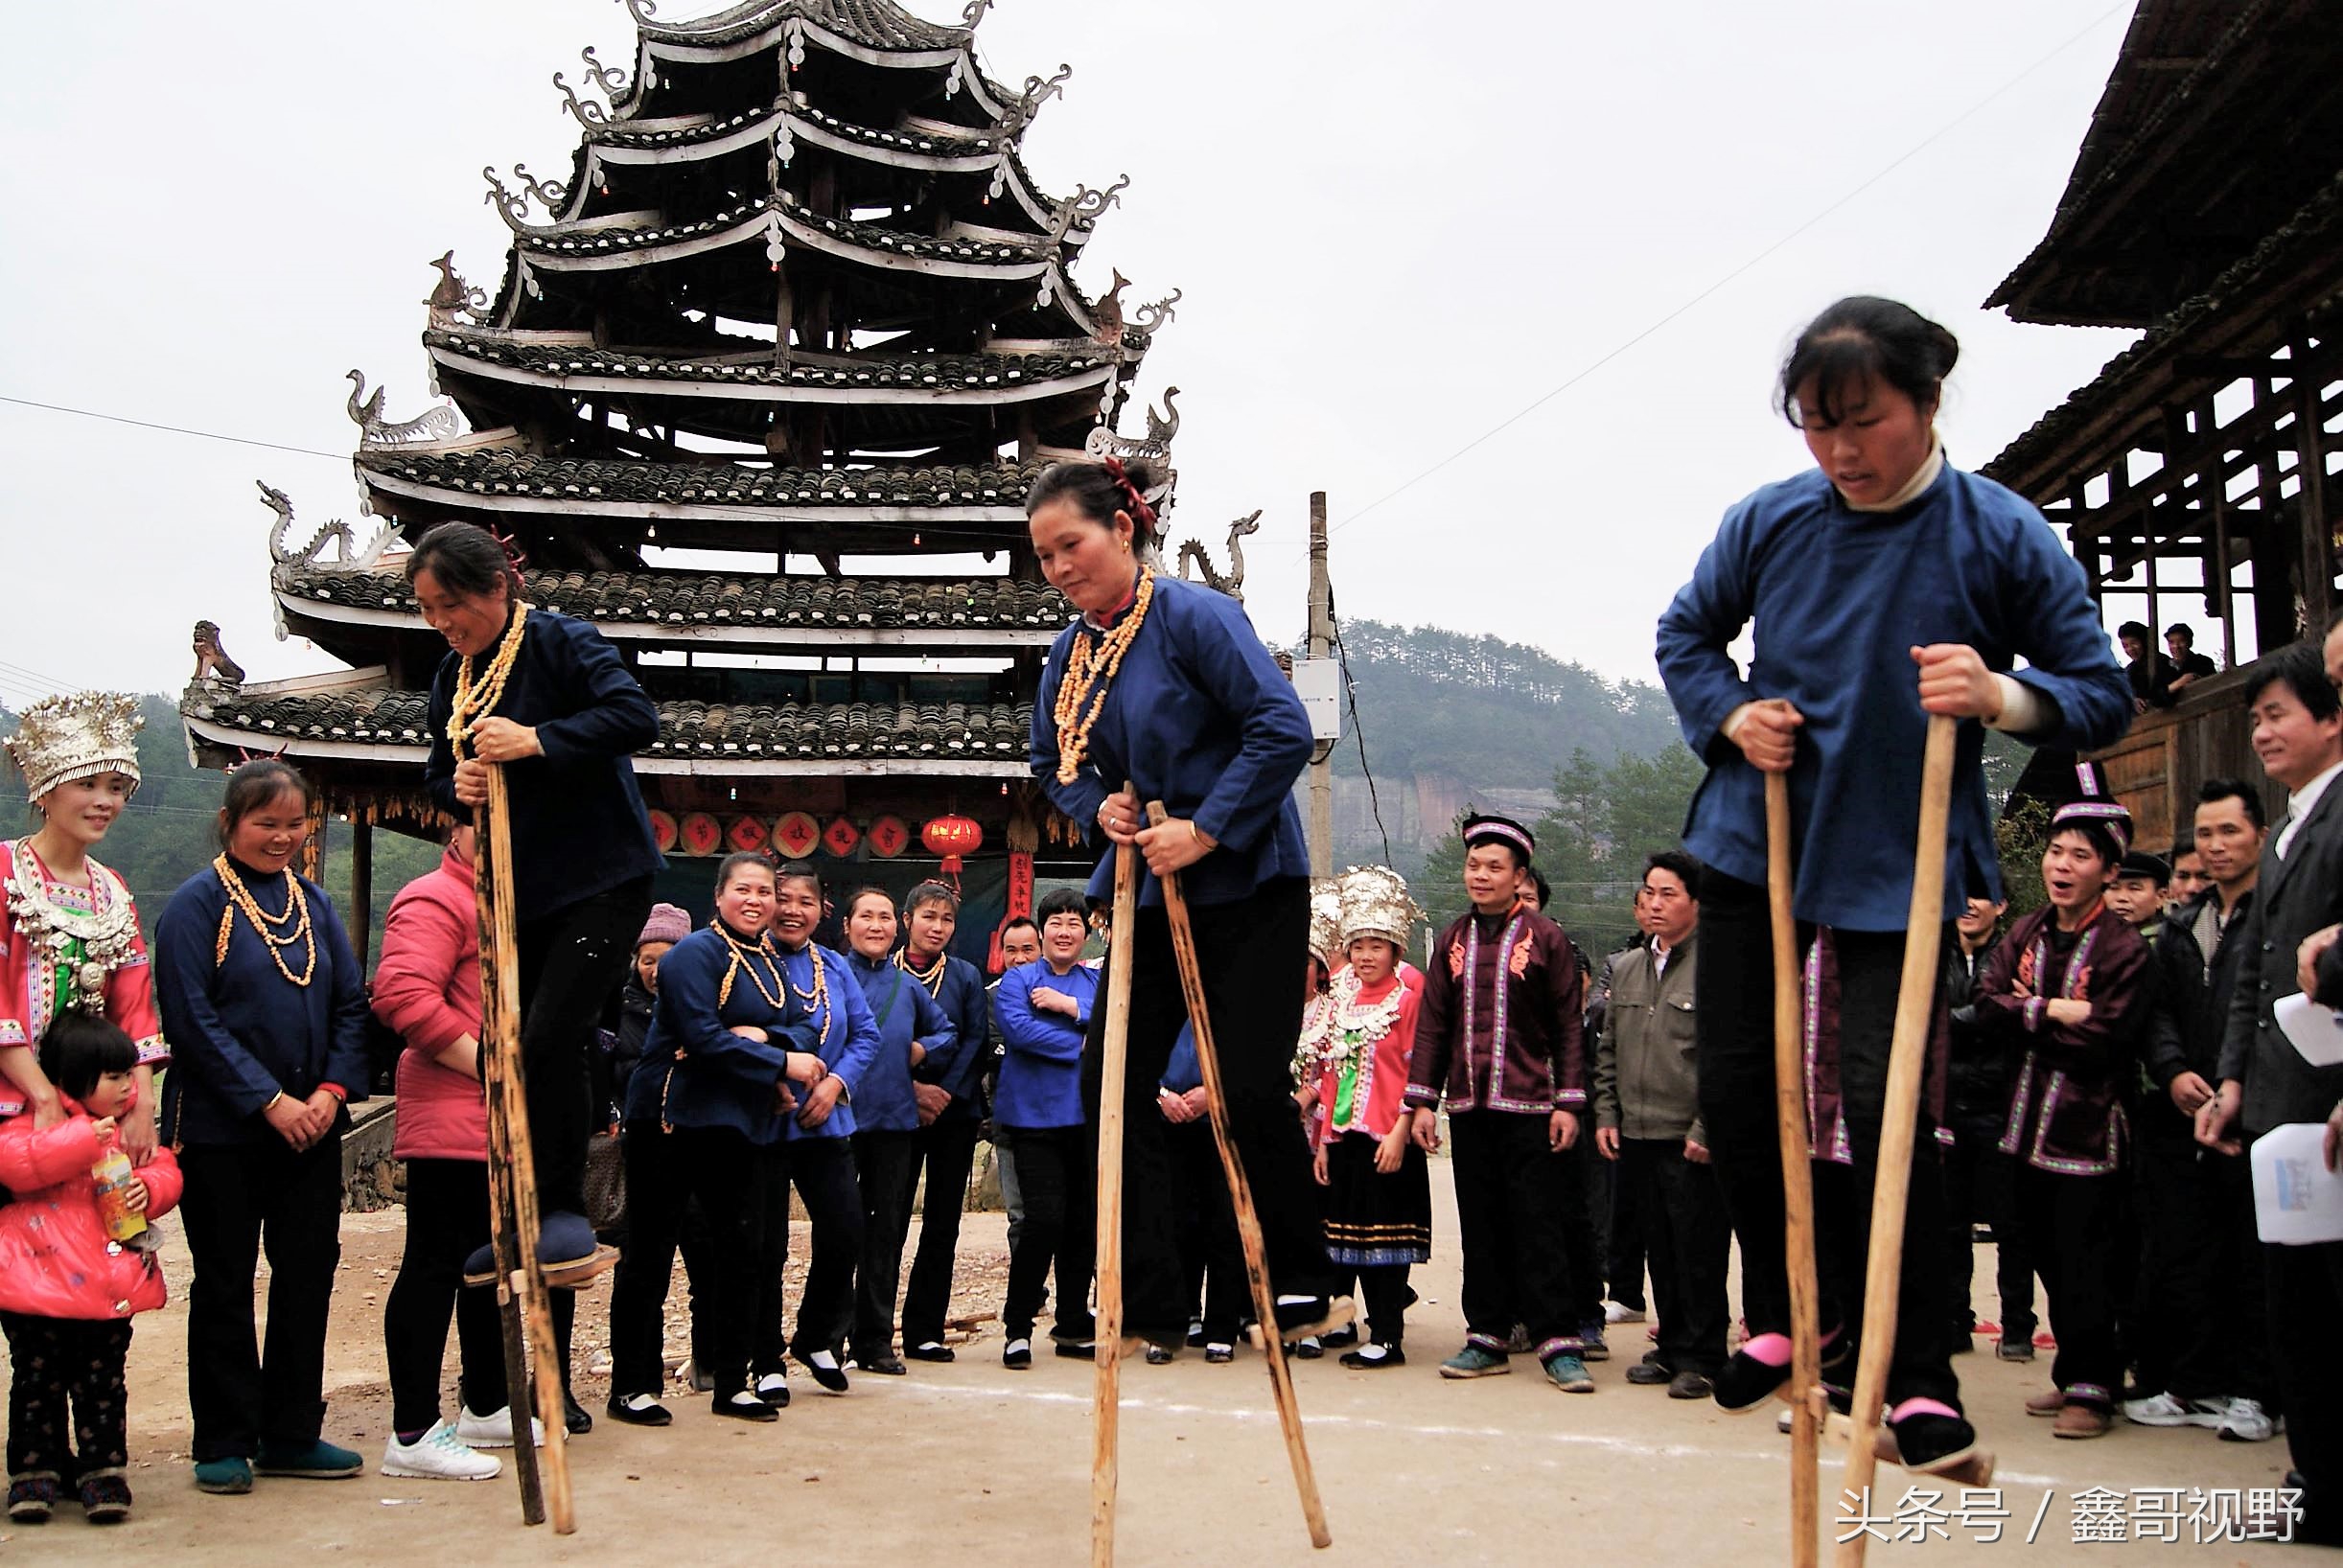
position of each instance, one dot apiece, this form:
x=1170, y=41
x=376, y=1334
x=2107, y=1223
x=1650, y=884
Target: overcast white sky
x=1395, y=224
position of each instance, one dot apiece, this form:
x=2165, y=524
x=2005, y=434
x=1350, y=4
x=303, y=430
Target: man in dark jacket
x=2297, y=729
x=2201, y=1280
x=1978, y=1177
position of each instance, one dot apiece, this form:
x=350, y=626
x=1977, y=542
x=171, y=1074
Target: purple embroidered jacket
x=2066, y=1112
x=1500, y=1024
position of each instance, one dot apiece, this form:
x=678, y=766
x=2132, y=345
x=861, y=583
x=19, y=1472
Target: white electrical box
x=1318, y=682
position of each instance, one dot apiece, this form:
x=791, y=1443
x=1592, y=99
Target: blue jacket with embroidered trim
x=578, y=821
x=239, y=1032
x=904, y=1013
x=1200, y=718
x=695, y=1072
x=847, y=1038
x=959, y=1070
x=1041, y=1062
x=1839, y=599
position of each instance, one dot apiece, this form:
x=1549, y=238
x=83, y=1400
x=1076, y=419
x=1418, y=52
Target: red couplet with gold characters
x=796, y=834
x=888, y=838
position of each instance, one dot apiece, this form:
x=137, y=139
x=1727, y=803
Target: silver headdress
x=60, y=739
x=1324, y=920
x=1375, y=903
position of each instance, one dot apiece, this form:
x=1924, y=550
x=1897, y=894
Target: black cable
x=1358, y=731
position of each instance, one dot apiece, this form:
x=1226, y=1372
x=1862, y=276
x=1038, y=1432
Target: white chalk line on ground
x=1630, y=1447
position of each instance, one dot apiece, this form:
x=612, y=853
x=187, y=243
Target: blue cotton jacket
x=1200, y=718
x=903, y=1013
x=251, y=1033
x=959, y=1070
x=695, y=1072
x=1840, y=598
x=847, y=1037
x=578, y=822
x=1183, y=1071
x=1041, y=1061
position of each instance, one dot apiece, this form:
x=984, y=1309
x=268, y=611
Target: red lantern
x=888, y=838
x=841, y=837
x=665, y=831
x=797, y=834
x=952, y=837
x=701, y=833
x=745, y=834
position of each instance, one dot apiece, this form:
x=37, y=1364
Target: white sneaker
x=494, y=1431
x=1613, y=1312
x=440, y=1455
x=2246, y=1421
x=2161, y=1410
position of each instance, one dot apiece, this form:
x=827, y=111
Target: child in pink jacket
x=67, y=1287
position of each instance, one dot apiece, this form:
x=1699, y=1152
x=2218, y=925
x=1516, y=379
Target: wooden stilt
x=1105, y=1416
x=1805, y=1390
x=512, y=1174
x=1241, y=1193
x=1907, y=1055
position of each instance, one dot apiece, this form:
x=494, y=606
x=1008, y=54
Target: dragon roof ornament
x=584, y=110
x=438, y=423
x=452, y=298
x=1194, y=553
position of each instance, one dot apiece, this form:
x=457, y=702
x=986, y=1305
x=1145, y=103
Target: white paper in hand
x=2315, y=1031
x=2297, y=1200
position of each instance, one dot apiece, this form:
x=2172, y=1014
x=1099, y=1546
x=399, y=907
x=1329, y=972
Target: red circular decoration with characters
x=702, y=836
x=665, y=831
x=953, y=838
x=796, y=834
x=745, y=834
x=889, y=837
x=841, y=837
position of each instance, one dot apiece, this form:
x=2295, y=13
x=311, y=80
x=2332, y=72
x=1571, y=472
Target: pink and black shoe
x=1756, y=1371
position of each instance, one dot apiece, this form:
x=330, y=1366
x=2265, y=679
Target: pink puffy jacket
x=427, y=987
x=56, y=1258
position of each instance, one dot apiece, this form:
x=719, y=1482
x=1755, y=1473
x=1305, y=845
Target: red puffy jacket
x=56, y=1258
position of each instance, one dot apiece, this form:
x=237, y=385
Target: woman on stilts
x=548, y=699
x=1164, y=684
x=1887, y=586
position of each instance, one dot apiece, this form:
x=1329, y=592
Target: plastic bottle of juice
x=114, y=1176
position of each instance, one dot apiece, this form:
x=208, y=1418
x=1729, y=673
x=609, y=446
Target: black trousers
x=239, y=1198
x=1623, y=1248
x=718, y=1169
x=1681, y=1210
x=570, y=962
x=2203, y=1292
x=1510, y=1223
x=1252, y=952
x=67, y=1388
x=2073, y=1228
x=948, y=1150
x=446, y=1220
x=1735, y=998
x=1581, y=1240
x=886, y=1169
x=1212, y=1260
x=1057, y=1173
x=824, y=1171
x=2306, y=1304
x=1981, y=1184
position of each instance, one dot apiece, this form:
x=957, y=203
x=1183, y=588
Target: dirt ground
x=973, y=1463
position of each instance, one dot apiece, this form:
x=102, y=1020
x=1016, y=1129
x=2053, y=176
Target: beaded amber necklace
x=476, y=700
x=743, y=961
x=296, y=904
x=932, y=977
x=1090, y=672
x=817, y=1000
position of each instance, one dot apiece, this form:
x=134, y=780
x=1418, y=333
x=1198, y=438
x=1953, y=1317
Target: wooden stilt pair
x=512, y=1180
x=1105, y=1410
x=1914, y=1010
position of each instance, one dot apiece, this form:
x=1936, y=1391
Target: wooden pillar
x=360, y=917
x=1321, y=646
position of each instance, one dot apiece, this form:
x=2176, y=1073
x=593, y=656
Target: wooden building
x=761, y=395
x=2199, y=475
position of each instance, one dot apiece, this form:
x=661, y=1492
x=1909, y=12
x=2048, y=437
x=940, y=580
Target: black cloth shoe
x=1308, y=1317
x=1073, y=1350
x=574, y=1419
x=772, y=1388
x=884, y=1366
x=929, y=1350
x=1017, y=1354
x=1374, y=1356
x=832, y=1376
x=1934, y=1443
x=1650, y=1373
x=1690, y=1385
x=1342, y=1338
x=650, y=1413
x=1161, y=1355
x=1745, y=1382
x=745, y=1406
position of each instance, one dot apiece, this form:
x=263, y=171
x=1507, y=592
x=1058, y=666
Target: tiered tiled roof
x=741, y=221
x=958, y=143
x=913, y=373
x=875, y=23
x=588, y=483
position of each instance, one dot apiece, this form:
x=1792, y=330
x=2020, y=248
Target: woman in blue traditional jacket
x=264, y=1005
x=1165, y=685
x=820, y=1151
x=887, y=1119
x=704, y=1107
x=548, y=699
x=951, y=1095
x=1886, y=586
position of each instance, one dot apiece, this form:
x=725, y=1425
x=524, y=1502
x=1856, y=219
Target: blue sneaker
x=317, y=1460
x=1473, y=1361
x=1566, y=1372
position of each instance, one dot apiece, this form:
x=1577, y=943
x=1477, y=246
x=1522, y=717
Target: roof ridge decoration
x=453, y=301
x=437, y=422
x=277, y=501
x=1194, y=552
x=514, y=206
